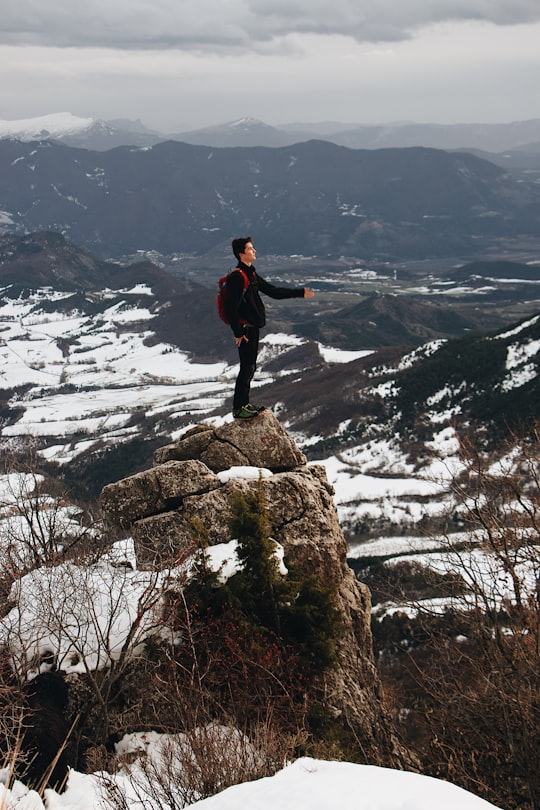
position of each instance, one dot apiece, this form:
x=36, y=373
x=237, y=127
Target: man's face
x=249, y=255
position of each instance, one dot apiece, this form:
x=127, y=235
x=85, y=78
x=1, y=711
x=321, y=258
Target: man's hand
x=308, y=293
x=238, y=340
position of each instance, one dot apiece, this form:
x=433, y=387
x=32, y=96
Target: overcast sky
x=181, y=64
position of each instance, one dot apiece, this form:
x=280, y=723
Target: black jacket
x=247, y=307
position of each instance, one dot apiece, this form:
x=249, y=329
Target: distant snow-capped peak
x=55, y=125
x=246, y=122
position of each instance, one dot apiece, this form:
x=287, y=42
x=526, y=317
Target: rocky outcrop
x=187, y=492
x=261, y=442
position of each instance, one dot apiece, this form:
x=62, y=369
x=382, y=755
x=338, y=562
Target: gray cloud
x=239, y=24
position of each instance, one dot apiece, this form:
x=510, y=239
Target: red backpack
x=222, y=292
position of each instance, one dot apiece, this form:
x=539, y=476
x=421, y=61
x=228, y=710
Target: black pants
x=248, y=363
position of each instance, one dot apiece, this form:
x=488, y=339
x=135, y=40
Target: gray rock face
x=259, y=442
x=155, y=491
x=182, y=497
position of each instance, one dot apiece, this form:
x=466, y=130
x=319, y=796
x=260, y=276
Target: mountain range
x=96, y=134
x=313, y=198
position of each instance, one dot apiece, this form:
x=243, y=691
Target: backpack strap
x=246, y=285
x=244, y=276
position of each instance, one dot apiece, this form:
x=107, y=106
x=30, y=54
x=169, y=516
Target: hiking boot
x=256, y=408
x=245, y=412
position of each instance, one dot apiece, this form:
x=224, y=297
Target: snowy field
x=88, y=377
x=376, y=482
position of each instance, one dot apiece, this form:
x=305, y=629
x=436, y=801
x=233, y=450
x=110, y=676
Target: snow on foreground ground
x=306, y=784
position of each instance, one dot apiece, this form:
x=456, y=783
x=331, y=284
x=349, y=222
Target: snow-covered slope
x=55, y=125
x=83, y=133
x=74, y=380
x=87, y=377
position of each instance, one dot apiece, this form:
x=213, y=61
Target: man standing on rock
x=245, y=313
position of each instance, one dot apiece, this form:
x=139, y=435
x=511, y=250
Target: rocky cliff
x=161, y=506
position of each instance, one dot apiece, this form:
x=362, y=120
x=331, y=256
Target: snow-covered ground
x=306, y=784
x=377, y=482
x=87, y=377
x=82, y=616
x=310, y=784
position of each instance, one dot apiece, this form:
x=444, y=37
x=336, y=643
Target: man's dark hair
x=239, y=245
